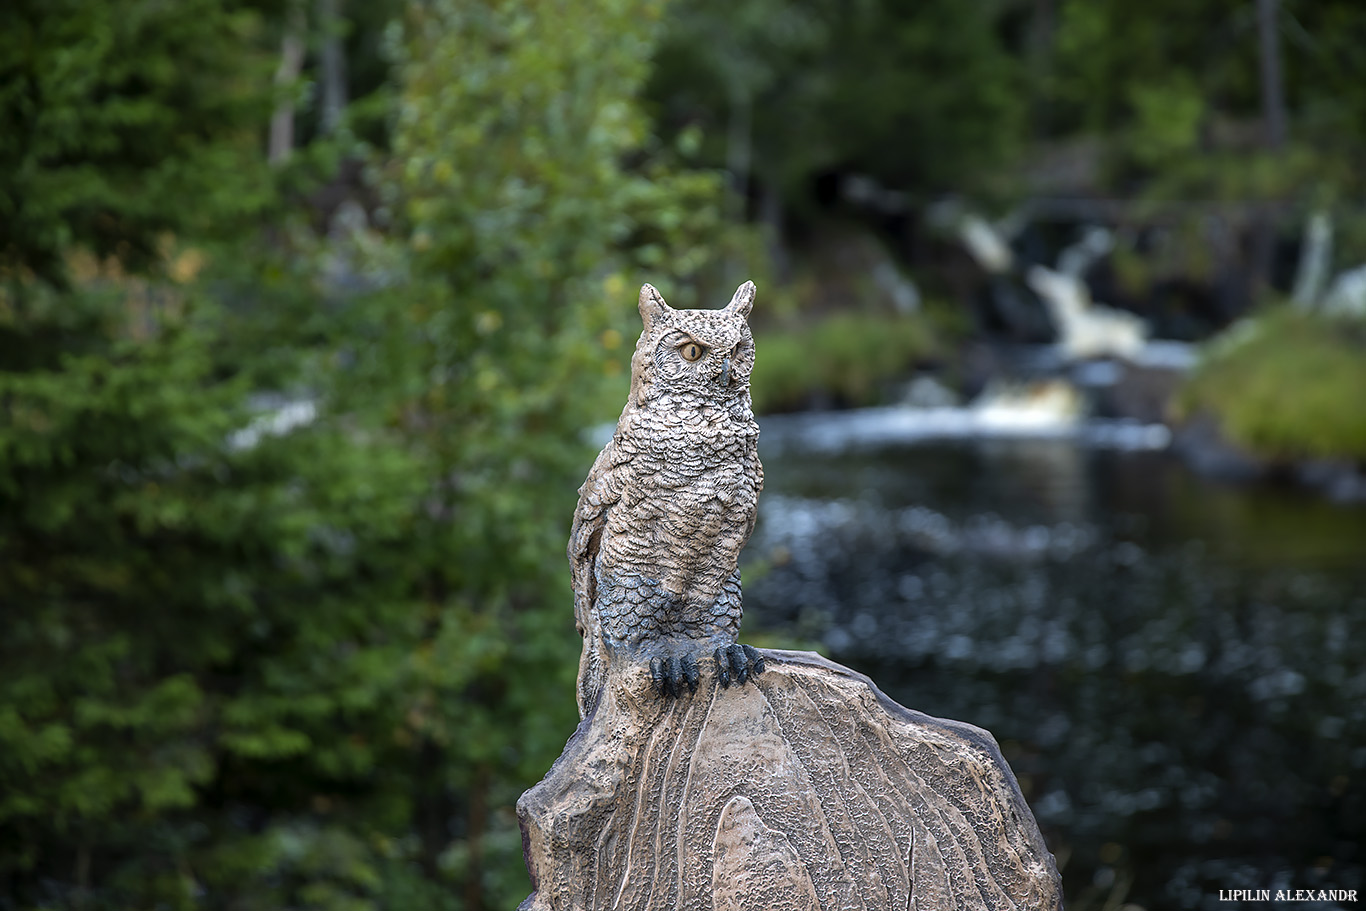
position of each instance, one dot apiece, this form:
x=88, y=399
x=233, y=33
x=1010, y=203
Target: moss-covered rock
x=1286, y=386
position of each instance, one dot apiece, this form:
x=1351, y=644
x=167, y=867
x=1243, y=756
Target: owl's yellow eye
x=692, y=351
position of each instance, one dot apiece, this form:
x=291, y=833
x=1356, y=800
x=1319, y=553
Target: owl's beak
x=725, y=372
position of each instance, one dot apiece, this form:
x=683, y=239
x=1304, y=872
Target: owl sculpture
x=669, y=504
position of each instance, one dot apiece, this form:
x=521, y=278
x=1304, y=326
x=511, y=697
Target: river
x=1173, y=666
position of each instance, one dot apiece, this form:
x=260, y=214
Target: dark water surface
x=1173, y=666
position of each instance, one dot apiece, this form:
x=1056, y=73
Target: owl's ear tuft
x=652, y=305
x=743, y=301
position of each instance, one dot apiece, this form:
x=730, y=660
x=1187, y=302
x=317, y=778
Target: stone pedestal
x=805, y=789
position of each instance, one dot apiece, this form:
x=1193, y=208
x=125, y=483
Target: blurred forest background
x=305, y=308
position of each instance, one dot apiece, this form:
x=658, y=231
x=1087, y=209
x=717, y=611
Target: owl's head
x=709, y=353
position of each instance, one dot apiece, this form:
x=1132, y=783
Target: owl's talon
x=744, y=661
x=657, y=674
x=756, y=660
x=734, y=664
x=740, y=661
x=671, y=674
x=690, y=672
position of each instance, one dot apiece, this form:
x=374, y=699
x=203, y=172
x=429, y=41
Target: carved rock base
x=807, y=788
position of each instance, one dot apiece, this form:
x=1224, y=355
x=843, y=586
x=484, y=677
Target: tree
x=922, y=96
x=281, y=558
x=206, y=647
x=513, y=196
x=206, y=644
x=109, y=110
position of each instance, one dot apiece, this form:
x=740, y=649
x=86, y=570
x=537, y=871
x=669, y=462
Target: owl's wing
x=599, y=493
x=756, y=471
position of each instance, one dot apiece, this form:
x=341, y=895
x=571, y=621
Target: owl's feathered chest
x=675, y=441
x=690, y=487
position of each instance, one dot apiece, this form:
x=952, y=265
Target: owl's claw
x=736, y=663
x=657, y=666
x=744, y=660
x=756, y=660
x=671, y=674
x=690, y=672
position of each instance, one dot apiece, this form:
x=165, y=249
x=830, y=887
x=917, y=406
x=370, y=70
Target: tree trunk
x=771, y=214
x=474, y=834
x=1273, y=83
x=1041, y=33
x=334, y=98
x=738, y=164
x=1273, y=115
x=291, y=62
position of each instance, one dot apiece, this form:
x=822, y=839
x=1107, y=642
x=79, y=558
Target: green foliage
x=1167, y=116
x=1287, y=386
x=258, y=665
x=1173, y=94
x=924, y=96
x=851, y=356
x=206, y=633
x=517, y=222
x=1105, y=52
x=892, y=111
x=108, y=110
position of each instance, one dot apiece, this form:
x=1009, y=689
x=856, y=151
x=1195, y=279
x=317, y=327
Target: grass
x=1290, y=386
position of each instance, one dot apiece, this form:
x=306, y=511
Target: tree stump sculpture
x=808, y=790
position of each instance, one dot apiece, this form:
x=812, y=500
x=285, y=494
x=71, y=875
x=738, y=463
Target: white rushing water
x=862, y=427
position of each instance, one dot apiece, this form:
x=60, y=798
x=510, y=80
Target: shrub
x=1286, y=385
